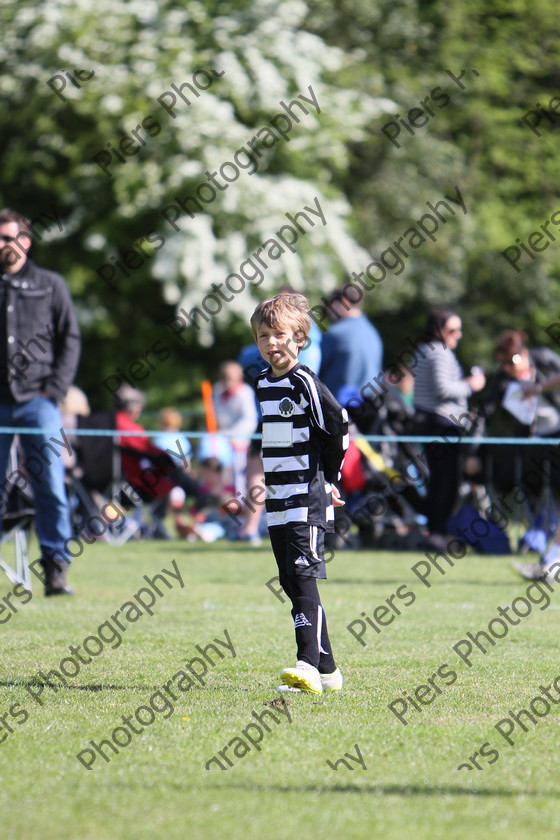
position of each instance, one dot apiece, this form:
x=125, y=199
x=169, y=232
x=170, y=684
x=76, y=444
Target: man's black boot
x=55, y=577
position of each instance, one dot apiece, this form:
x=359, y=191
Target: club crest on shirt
x=286, y=407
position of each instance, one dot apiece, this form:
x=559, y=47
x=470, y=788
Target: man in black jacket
x=39, y=354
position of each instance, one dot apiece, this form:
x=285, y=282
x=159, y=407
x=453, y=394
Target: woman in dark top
x=441, y=395
x=526, y=467
x=528, y=368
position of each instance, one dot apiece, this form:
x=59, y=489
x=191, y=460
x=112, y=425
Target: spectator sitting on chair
x=149, y=469
x=209, y=522
x=537, y=370
x=37, y=315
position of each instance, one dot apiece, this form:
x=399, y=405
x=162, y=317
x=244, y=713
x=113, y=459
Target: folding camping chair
x=102, y=480
x=17, y=519
x=96, y=481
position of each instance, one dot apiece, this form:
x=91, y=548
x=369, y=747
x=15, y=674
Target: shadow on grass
x=94, y=687
x=394, y=790
x=218, y=547
x=229, y=547
x=397, y=581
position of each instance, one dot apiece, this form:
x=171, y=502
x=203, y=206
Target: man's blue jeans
x=43, y=460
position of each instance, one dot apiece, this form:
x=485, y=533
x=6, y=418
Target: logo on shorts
x=301, y=561
x=286, y=407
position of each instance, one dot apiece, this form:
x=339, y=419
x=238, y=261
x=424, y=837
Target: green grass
x=158, y=785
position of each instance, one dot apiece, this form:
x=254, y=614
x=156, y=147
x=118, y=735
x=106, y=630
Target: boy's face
x=278, y=346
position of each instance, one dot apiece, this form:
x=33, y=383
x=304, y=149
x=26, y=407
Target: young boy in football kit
x=304, y=438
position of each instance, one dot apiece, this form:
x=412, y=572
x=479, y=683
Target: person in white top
x=236, y=414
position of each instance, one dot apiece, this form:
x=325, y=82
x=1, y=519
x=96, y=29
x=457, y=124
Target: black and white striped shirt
x=305, y=437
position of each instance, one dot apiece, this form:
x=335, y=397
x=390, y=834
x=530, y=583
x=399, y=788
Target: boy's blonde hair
x=284, y=310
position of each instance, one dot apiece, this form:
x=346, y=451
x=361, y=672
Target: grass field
x=402, y=781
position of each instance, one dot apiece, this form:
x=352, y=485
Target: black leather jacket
x=39, y=335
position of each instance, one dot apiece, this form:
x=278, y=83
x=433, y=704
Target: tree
x=130, y=118
x=474, y=69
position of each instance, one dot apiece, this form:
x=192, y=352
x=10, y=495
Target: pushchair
x=384, y=502
x=17, y=519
